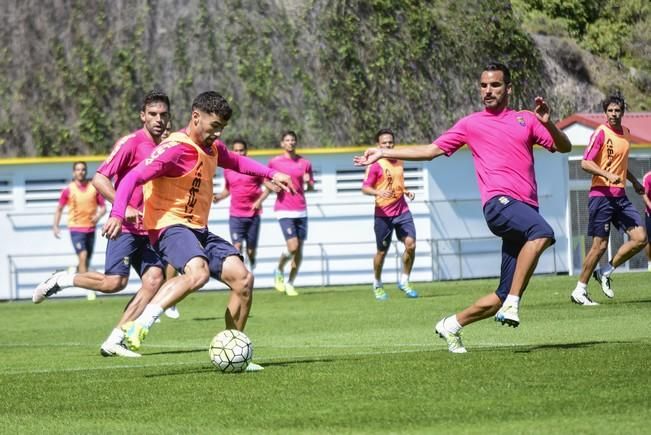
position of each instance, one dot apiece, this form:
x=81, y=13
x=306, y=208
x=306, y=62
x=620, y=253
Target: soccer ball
x=231, y=351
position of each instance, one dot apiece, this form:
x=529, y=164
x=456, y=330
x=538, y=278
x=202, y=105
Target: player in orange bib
x=85, y=207
x=178, y=192
x=606, y=158
x=386, y=182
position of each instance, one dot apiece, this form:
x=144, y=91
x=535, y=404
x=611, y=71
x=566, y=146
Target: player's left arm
x=308, y=178
x=246, y=165
x=636, y=184
x=101, y=208
x=543, y=113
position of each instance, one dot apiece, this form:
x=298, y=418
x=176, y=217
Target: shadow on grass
x=579, y=345
x=178, y=352
x=206, y=319
x=211, y=369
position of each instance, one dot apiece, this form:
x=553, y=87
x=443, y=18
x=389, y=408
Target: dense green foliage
x=619, y=30
x=72, y=76
x=338, y=362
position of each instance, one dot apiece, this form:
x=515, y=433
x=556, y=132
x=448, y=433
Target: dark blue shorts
x=294, y=227
x=130, y=250
x=384, y=226
x=516, y=223
x=604, y=210
x=83, y=242
x=647, y=221
x=179, y=244
x=245, y=229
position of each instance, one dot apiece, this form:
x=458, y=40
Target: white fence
x=453, y=241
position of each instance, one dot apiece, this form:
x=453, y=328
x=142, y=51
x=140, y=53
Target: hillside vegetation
x=72, y=74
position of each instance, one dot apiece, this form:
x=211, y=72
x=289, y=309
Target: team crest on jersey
x=520, y=121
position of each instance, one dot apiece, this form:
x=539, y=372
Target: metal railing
x=324, y=258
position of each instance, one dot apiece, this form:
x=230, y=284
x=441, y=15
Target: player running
x=501, y=141
x=386, y=182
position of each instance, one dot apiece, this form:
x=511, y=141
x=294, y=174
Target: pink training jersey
x=65, y=197
x=396, y=208
x=127, y=153
x=646, y=182
x=502, y=149
x=287, y=204
x=175, y=161
x=245, y=190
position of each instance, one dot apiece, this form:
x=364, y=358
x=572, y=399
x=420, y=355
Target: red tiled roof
x=638, y=122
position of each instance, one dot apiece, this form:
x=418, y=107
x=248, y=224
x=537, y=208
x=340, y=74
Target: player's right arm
x=414, y=153
x=590, y=166
x=165, y=160
x=63, y=200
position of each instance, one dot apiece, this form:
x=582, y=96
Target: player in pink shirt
x=606, y=159
x=245, y=208
x=501, y=141
x=132, y=248
x=179, y=175
x=85, y=207
x=291, y=210
x=646, y=184
x=386, y=182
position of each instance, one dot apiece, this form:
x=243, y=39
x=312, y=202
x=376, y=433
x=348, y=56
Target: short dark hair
x=614, y=99
x=212, y=102
x=384, y=131
x=497, y=66
x=80, y=162
x=155, y=96
x=240, y=140
x=288, y=133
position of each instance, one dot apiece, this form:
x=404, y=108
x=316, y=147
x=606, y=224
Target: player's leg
x=383, y=229
x=625, y=217
x=252, y=236
x=287, y=228
x=449, y=328
x=114, y=278
x=300, y=227
x=601, y=211
x=406, y=232
x=226, y=265
x=177, y=246
x=171, y=312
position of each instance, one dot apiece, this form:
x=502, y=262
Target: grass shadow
x=178, y=352
x=579, y=345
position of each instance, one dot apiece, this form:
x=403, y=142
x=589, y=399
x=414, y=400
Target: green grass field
x=337, y=361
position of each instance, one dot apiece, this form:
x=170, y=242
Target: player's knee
x=199, y=278
x=114, y=283
x=242, y=285
x=152, y=280
x=410, y=245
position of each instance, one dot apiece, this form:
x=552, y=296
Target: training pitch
x=337, y=361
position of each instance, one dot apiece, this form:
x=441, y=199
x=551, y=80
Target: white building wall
x=453, y=239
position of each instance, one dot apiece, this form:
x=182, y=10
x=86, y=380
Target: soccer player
x=178, y=194
x=291, y=210
x=501, y=141
x=132, y=248
x=646, y=184
x=245, y=208
x=85, y=208
x=606, y=158
x=386, y=182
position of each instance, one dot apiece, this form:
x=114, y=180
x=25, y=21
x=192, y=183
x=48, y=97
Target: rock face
x=72, y=75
